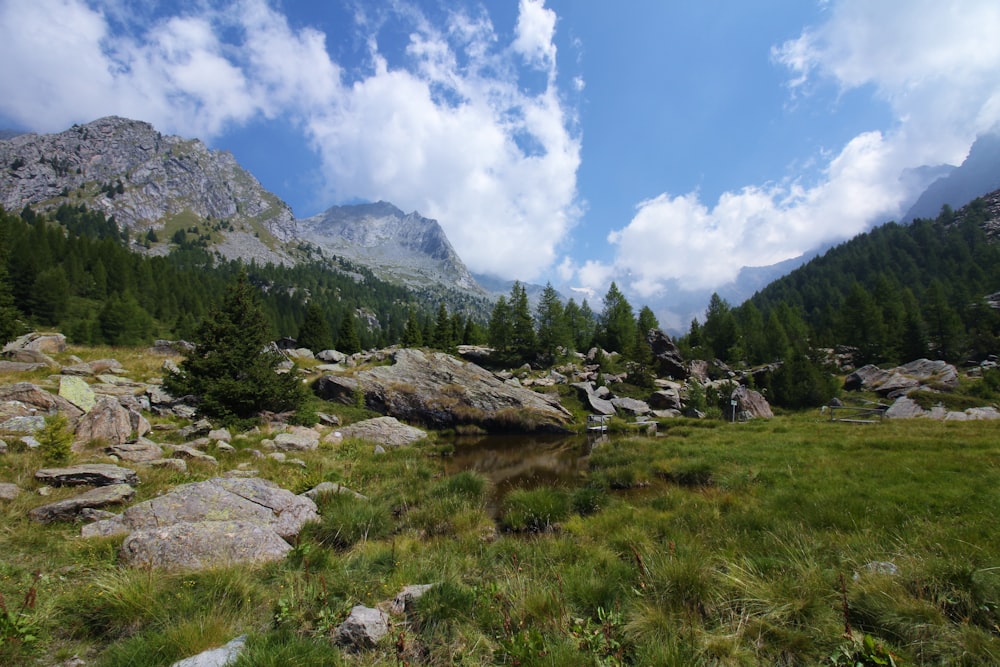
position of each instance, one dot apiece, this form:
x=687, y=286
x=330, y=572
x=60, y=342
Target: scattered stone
x=632, y=406
x=141, y=451
x=328, y=420
x=404, y=601
x=332, y=356
x=53, y=343
x=20, y=366
x=592, y=401
x=68, y=509
x=904, y=407
x=3, y=447
x=879, y=567
x=387, y=431
x=30, y=442
x=363, y=628
x=297, y=440
x=665, y=399
x=202, y=544
x=38, y=400
x=95, y=474
x=9, y=491
x=192, y=454
x=216, y=657
x=198, y=428
x=277, y=456
x=222, y=434
x=224, y=447
x=178, y=465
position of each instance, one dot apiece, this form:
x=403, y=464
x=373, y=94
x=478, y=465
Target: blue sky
x=663, y=145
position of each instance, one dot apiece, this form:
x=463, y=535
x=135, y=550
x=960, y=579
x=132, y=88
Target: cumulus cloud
x=933, y=63
x=448, y=128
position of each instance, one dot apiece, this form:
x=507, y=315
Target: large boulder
x=51, y=343
x=749, y=404
x=442, y=391
x=77, y=391
x=592, y=400
x=386, y=431
x=220, y=499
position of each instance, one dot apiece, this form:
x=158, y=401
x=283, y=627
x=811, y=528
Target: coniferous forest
x=892, y=295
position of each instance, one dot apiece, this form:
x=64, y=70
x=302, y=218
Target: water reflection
x=523, y=461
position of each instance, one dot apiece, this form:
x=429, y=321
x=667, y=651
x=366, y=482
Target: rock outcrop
x=901, y=380
x=441, y=391
x=385, y=431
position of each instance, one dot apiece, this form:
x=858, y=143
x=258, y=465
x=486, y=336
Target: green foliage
x=616, y=327
x=232, y=370
x=18, y=625
x=553, y=329
x=348, y=341
x=534, y=510
x=314, y=334
x=55, y=439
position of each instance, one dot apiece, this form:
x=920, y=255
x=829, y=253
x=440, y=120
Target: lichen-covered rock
x=77, y=391
x=38, y=400
x=202, y=544
x=219, y=499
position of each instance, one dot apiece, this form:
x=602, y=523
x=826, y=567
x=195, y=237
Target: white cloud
x=447, y=130
x=936, y=66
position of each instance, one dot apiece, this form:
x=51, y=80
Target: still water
x=523, y=461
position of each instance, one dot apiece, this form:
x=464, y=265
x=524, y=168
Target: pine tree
x=719, y=330
x=522, y=326
x=500, y=328
x=412, y=337
x=348, y=340
x=314, y=334
x=553, y=331
x=616, y=325
x=233, y=368
x=11, y=320
x=442, y=339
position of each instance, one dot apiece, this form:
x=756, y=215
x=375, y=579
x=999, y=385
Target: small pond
x=523, y=461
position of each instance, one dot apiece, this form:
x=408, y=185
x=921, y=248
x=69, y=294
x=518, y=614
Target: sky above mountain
x=663, y=145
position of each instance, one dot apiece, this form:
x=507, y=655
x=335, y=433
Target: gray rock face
x=94, y=474
x=441, y=391
x=632, y=406
x=386, y=431
x=161, y=176
x=142, y=451
x=298, y=440
x=220, y=499
x=202, y=544
x=69, y=508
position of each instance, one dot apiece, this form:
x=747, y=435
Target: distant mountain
x=405, y=247
x=147, y=181
x=976, y=176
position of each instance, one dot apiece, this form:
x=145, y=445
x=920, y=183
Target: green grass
x=711, y=544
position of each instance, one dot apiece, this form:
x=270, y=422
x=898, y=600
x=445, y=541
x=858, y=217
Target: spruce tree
x=553, y=331
x=617, y=325
x=233, y=369
x=522, y=326
x=412, y=337
x=314, y=333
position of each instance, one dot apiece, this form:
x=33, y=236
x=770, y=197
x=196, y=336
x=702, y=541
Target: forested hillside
x=896, y=293
x=73, y=272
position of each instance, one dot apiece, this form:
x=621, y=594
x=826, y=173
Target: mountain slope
x=146, y=180
x=403, y=246
x=977, y=175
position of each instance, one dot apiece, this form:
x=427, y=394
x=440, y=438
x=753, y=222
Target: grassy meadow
x=792, y=541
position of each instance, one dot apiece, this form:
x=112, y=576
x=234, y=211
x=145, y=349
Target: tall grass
x=711, y=544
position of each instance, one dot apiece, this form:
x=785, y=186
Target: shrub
x=55, y=439
x=535, y=510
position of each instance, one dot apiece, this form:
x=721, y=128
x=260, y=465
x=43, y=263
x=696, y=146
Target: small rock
x=179, y=465
x=216, y=657
x=330, y=487
x=363, y=628
x=297, y=441
x=9, y=491
x=404, y=600
x=192, y=454
x=220, y=434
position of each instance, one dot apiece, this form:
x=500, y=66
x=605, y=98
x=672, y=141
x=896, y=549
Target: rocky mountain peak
x=397, y=245
x=127, y=169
